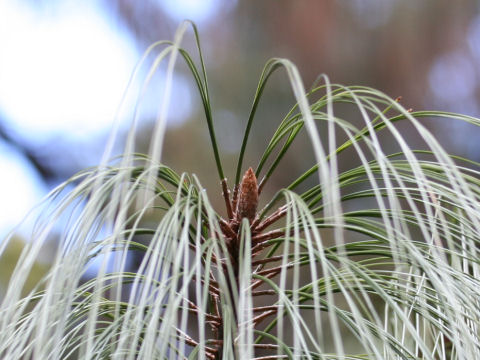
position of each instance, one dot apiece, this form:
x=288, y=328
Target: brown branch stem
x=209, y=352
x=274, y=234
x=226, y=196
x=263, y=292
x=267, y=260
x=215, y=320
x=235, y=196
x=275, y=216
x=227, y=230
x=263, y=316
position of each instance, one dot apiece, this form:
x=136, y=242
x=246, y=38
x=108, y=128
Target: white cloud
x=20, y=188
x=61, y=72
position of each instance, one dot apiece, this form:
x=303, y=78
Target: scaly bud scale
x=248, y=197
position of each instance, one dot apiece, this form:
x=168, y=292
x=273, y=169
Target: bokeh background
x=64, y=66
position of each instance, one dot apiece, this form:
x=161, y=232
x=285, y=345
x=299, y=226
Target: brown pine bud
x=248, y=197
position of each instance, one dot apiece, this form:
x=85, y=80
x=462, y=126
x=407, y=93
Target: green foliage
x=378, y=261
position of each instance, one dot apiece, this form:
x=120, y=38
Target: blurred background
x=64, y=66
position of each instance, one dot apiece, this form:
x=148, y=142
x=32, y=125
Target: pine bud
x=248, y=197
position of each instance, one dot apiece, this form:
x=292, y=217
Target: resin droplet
x=248, y=197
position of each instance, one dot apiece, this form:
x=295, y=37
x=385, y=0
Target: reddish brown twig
x=235, y=196
x=256, y=249
x=275, y=270
x=258, y=319
x=277, y=215
x=209, y=352
x=265, y=308
x=265, y=346
x=263, y=292
x=226, y=229
x=226, y=196
x=274, y=234
x=267, y=260
x=255, y=223
x=213, y=319
x=212, y=287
